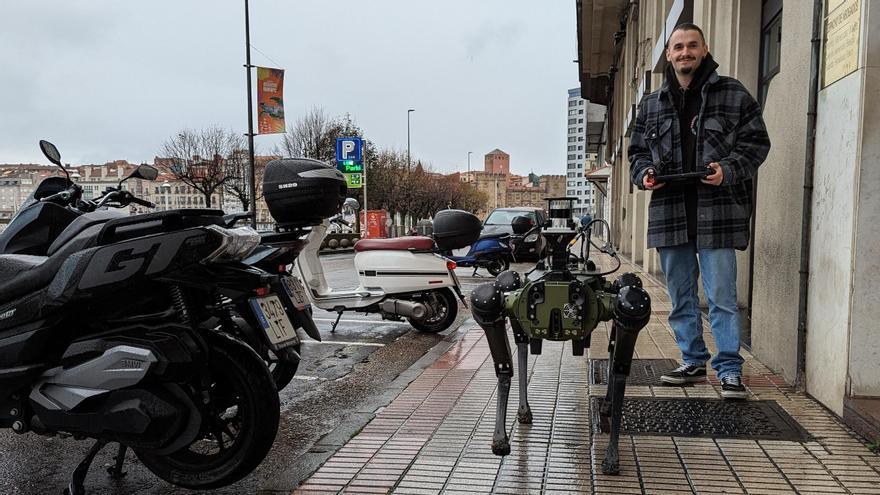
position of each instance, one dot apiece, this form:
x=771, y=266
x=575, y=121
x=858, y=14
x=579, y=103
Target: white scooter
x=399, y=278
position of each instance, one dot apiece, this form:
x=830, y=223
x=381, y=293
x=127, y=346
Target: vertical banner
x=270, y=86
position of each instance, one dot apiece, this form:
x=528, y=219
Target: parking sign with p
x=349, y=159
x=349, y=149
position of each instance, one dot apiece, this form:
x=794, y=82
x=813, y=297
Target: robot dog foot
x=524, y=415
x=611, y=464
x=501, y=446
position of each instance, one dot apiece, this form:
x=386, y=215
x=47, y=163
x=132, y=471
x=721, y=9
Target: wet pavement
x=434, y=437
x=339, y=386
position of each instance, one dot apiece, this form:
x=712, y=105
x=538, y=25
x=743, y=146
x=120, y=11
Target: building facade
x=582, y=141
x=808, y=285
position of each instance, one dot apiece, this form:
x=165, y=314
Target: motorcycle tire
x=498, y=265
x=283, y=367
x=241, y=383
x=446, y=311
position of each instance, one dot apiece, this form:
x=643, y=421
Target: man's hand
x=649, y=180
x=716, y=178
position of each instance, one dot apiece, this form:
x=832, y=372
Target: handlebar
x=62, y=196
x=142, y=202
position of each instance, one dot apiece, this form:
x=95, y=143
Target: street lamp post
x=166, y=189
x=411, y=110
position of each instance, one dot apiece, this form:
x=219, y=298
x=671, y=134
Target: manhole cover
x=716, y=418
x=643, y=371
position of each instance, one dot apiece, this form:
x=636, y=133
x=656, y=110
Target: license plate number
x=295, y=290
x=272, y=316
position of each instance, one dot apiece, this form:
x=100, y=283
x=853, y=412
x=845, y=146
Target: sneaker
x=686, y=373
x=732, y=388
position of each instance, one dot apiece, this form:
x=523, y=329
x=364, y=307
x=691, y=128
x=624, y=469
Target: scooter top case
x=405, y=264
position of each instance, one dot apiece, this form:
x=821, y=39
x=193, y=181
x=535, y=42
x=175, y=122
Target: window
x=771, y=42
x=580, y=112
x=580, y=121
x=580, y=148
x=571, y=183
x=580, y=129
x=573, y=112
x=580, y=184
x=571, y=174
x=571, y=130
x=580, y=138
x=572, y=121
x=571, y=157
x=580, y=157
x=580, y=102
x=570, y=192
x=571, y=148
x=571, y=139
x=580, y=174
x=572, y=103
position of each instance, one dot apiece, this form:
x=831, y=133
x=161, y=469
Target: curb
x=327, y=445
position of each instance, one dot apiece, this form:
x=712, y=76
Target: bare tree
x=198, y=158
x=310, y=137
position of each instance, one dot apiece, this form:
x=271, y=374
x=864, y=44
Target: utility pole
x=252, y=188
x=469, y=165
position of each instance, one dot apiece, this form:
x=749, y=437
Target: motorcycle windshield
x=47, y=187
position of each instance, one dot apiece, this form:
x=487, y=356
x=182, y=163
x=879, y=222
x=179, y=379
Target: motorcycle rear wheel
x=445, y=308
x=237, y=436
x=283, y=365
x=498, y=265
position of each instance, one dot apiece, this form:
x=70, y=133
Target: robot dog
x=566, y=302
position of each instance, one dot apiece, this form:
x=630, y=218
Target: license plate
x=272, y=316
x=295, y=290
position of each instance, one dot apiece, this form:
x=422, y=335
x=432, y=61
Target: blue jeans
x=719, y=283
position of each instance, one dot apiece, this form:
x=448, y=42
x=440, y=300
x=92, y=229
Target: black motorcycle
x=113, y=335
x=56, y=210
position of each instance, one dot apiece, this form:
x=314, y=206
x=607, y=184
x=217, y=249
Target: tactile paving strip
x=642, y=372
x=715, y=418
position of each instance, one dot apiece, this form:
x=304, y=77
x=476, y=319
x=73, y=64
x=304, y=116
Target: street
x=340, y=384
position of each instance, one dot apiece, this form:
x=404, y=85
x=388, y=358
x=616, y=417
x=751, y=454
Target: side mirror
x=351, y=204
x=146, y=172
x=51, y=152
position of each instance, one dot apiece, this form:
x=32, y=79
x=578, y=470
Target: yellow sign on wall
x=842, y=39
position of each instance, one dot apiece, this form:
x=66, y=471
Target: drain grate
x=716, y=418
x=642, y=372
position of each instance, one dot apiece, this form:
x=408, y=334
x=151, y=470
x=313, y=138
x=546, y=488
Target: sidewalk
x=435, y=436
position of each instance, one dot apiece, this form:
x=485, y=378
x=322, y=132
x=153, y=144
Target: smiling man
x=699, y=121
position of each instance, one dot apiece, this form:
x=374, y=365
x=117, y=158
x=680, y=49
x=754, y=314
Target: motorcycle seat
x=409, y=243
x=22, y=273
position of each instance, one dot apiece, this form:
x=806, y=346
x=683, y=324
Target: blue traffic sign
x=349, y=149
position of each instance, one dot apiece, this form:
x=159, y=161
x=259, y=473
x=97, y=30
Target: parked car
x=499, y=219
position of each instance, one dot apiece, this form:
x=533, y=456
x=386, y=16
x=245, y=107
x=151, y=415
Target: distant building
x=581, y=152
x=497, y=162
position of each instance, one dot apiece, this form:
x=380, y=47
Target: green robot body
x=559, y=304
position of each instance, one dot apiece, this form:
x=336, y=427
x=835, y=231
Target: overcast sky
x=108, y=80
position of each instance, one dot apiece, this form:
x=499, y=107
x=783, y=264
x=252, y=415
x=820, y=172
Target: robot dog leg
x=487, y=306
x=632, y=310
x=487, y=303
x=509, y=281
